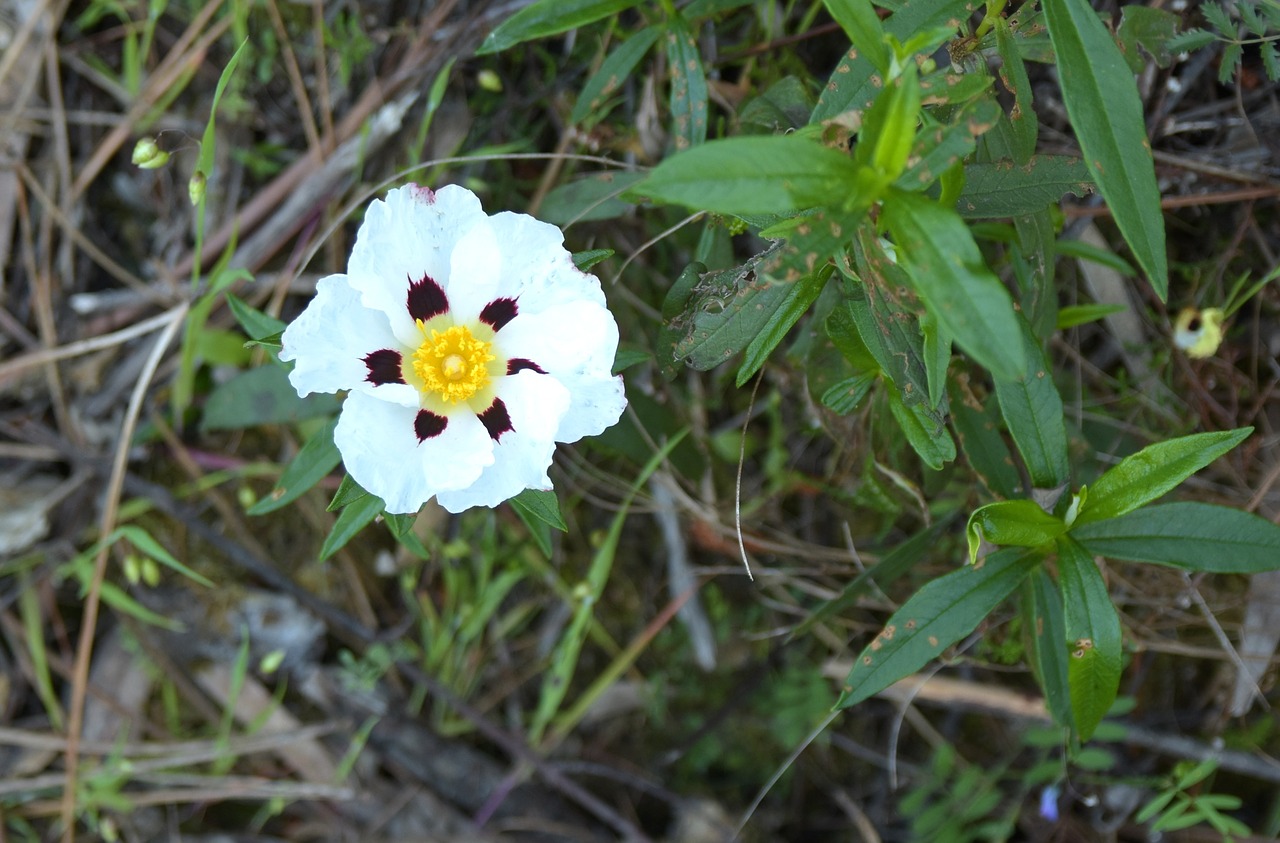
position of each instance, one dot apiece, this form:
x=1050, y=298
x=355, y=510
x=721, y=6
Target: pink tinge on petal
x=499, y=312
x=384, y=367
x=422, y=193
x=496, y=419
x=426, y=299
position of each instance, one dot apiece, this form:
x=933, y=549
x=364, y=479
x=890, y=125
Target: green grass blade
x=549, y=17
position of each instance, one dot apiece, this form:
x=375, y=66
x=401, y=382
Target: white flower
x=469, y=345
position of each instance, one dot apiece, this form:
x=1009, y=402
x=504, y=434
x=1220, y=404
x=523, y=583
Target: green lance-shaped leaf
x=549, y=17
x=993, y=191
x=754, y=175
x=314, y=461
x=1193, y=536
x=1011, y=523
x=889, y=127
x=1106, y=113
x=948, y=273
x=853, y=85
x=614, y=70
x=688, y=86
x=938, y=148
x=799, y=296
x=978, y=429
x=353, y=518
x=1093, y=637
x=887, y=320
x=935, y=617
x=860, y=22
x=1023, y=123
x=924, y=429
x=1042, y=604
x=1142, y=477
x=539, y=509
x=1032, y=410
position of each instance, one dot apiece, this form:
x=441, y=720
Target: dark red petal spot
x=383, y=366
x=428, y=425
x=498, y=313
x=496, y=420
x=426, y=298
x=519, y=364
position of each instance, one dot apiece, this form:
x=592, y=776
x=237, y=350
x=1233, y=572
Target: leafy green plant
x=1260, y=21
x=878, y=208
x=1178, y=806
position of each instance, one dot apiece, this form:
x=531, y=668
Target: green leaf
x=614, y=70
x=589, y=199
x=1106, y=113
x=1093, y=637
x=1193, y=536
x=1149, y=28
x=860, y=22
x=261, y=396
x=935, y=617
x=313, y=463
x=1045, y=632
x=1191, y=40
x=889, y=126
x=585, y=260
x=887, y=320
x=795, y=304
x=540, y=511
x=1148, y=474
x=144, y=542
x=924, y=430
x=939, y=148
x=728, y=312
x=549, y=17
x=1023, y=123
x=688, y=86
x=752, y=175
x=1082, y=314
x=993, y=191
x=978, y=428
x=256, y=324
x=854, y=84
x=349, y=491
x=1032, y=410
x=353, y=518
x=949, y=274
x=845, y=396
x=1019, y=523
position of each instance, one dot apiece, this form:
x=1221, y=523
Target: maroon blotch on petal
x=519, y=364
x=498, y=313
x=496, y=420
x=426, y=298
x=428, y=425
x=383, y=366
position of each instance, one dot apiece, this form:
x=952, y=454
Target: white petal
x=522, y=456
x=533, y=267
x=475, y=272
x=575, y=343
x=410, y=234
x=596, y=405
x=329, y=340
x=381, y=451
x=576, y=337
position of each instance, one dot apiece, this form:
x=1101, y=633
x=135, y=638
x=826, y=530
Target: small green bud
x=148, y=155
x=132, y=569
x=150, y=572
x=195, y=187
x=490, y=81
x=271, y=662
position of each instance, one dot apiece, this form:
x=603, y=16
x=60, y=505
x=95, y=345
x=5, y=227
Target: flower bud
x=148, y=155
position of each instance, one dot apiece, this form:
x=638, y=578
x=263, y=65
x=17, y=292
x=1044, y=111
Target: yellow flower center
x=453, y=363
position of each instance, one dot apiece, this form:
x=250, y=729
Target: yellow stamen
x=453, y=363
